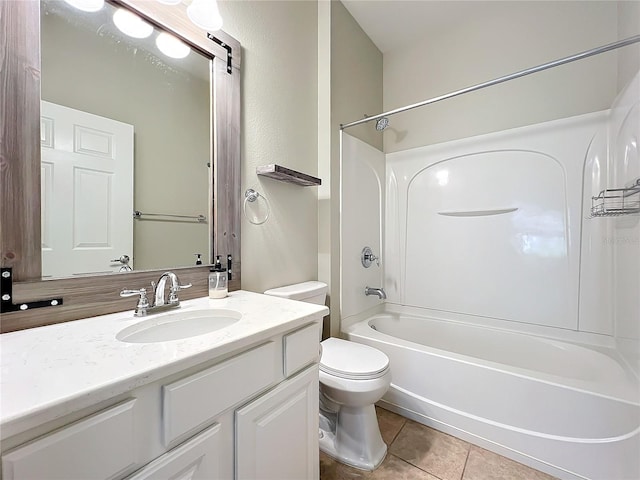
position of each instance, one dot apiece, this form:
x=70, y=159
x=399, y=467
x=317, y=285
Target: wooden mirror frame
x=20, y=236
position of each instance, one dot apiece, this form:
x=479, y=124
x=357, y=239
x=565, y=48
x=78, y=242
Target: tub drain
x=374, y=327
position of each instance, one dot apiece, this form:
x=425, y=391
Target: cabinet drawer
x=194, y=401
x=301, y=348
x=100, y=446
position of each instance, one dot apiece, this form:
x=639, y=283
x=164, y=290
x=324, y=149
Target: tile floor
x=417, y=452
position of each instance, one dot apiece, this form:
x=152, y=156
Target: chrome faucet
x=143, y=307
x=158, y=289
x=375, y=291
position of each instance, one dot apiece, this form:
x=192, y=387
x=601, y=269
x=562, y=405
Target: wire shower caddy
x=612, y=202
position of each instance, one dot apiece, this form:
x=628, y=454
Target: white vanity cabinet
x=251, y=414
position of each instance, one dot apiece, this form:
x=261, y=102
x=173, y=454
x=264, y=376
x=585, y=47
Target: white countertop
x=49, y=372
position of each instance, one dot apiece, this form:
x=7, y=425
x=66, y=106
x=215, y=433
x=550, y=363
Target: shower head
x=382, y=123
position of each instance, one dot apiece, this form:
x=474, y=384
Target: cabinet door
x=197, y=459
x=277, y=434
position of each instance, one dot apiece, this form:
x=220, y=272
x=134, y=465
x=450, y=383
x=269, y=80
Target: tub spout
x=375, y=291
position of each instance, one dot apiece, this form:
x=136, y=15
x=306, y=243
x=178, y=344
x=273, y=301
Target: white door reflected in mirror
x=87, y=191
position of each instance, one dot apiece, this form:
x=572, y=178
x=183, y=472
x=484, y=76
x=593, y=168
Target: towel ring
x=251, y=196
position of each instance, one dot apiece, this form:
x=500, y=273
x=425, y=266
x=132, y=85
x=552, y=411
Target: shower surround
x=512, y=317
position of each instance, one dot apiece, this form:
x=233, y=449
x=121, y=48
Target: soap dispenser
x=218, y=280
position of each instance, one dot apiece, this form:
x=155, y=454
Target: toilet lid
x=352, y=360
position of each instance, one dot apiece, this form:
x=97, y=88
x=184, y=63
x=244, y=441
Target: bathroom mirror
x=126, y=122
x=24, y=178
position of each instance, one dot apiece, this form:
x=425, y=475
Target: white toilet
x=352, y=378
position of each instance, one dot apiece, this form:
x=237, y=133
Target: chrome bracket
x=6, y=296
x=227, y=48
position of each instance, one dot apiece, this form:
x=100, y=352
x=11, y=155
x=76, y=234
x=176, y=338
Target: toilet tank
x=310, y=292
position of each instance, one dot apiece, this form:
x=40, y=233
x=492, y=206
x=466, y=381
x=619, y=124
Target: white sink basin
x=179, y=325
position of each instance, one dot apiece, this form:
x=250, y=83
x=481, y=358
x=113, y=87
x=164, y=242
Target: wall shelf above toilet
x=278, y=172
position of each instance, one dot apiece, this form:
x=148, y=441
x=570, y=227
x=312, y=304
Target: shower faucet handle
x=367, y=257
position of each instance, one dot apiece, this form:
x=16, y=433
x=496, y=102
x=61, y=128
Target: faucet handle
x=367, y=257
x=130, y=293
x=177, y=287
x=143, y=301
x=173, y=293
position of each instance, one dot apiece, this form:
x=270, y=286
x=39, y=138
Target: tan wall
x=279, y=125
x=628, y=26
x=356, y=76
x=325, y=265
x=89, y=73
x=356, y=90
x=316, y=53
x=473, y=51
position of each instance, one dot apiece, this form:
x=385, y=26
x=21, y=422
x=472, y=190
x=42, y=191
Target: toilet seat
x=353, y=361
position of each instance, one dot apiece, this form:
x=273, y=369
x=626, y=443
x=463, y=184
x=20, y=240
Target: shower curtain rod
x=521, y=73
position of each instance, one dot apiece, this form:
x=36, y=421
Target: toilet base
x=356, y=440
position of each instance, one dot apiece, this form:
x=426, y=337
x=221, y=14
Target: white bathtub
x=566, y=409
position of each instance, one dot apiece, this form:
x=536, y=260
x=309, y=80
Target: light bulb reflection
x=86, y=5
x=130, y=24
x=443, y=177
x=171, y=46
